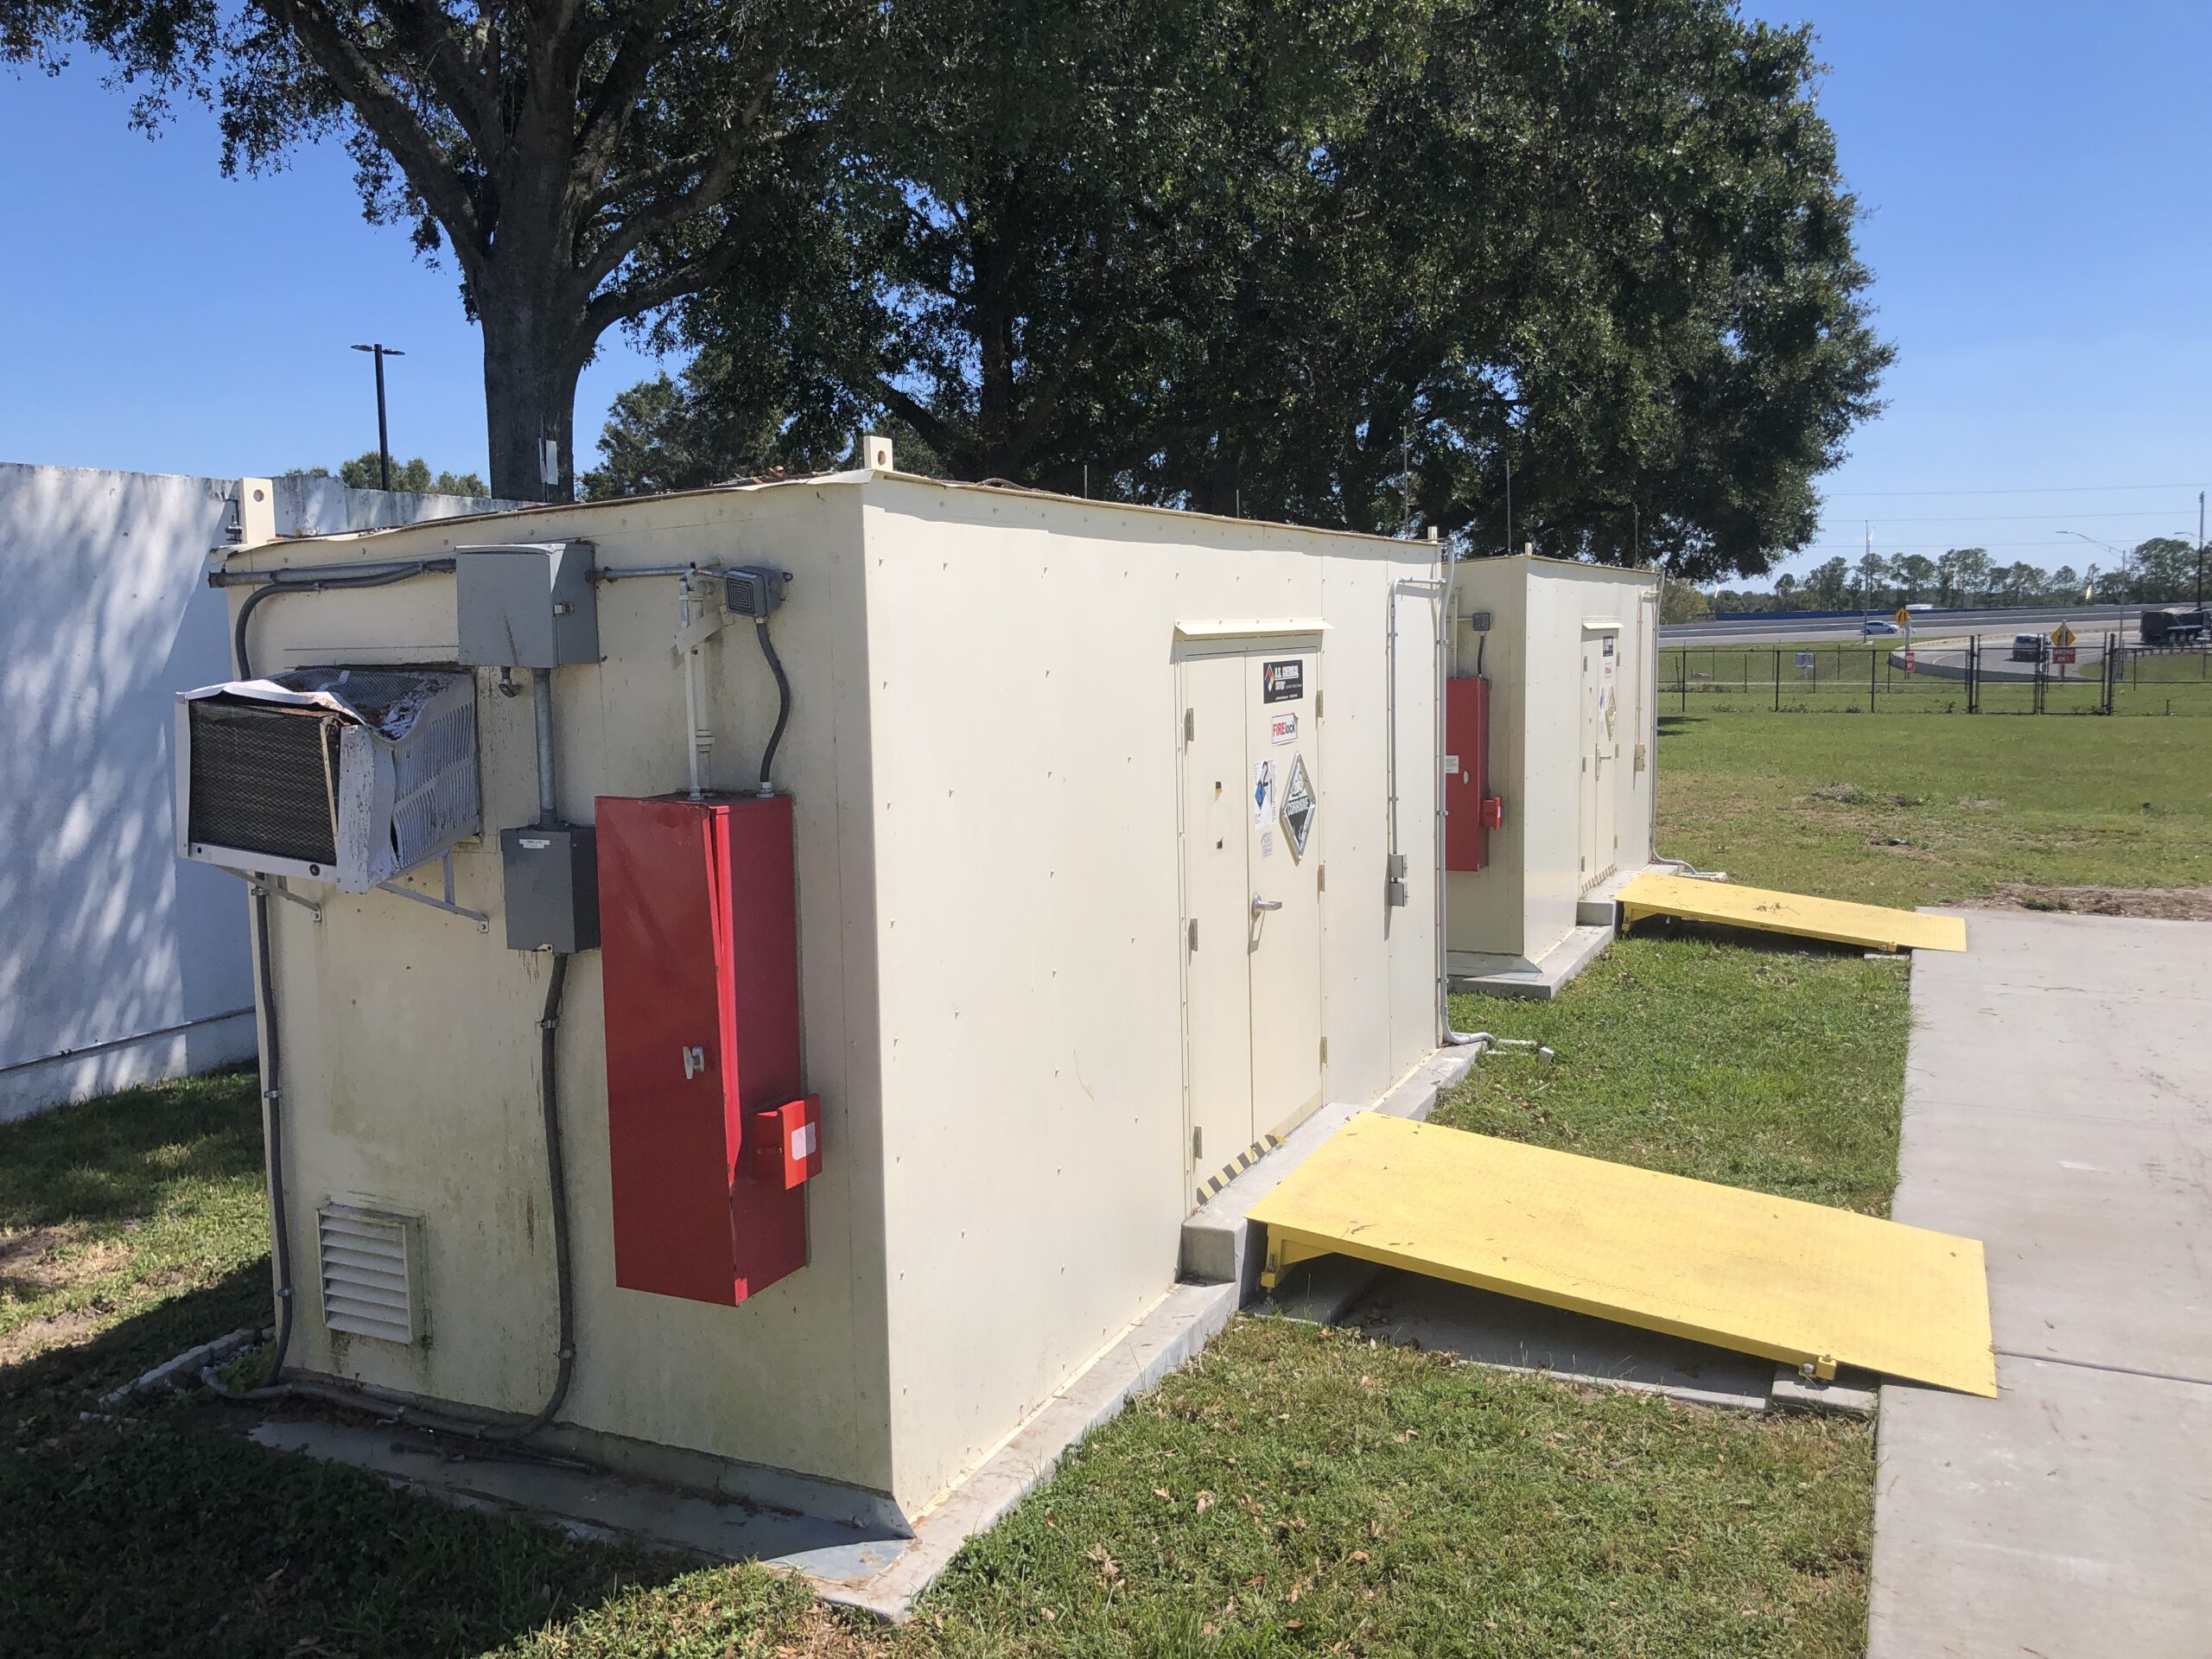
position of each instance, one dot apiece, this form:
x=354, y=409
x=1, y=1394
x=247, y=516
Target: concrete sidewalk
x=2057, y=1108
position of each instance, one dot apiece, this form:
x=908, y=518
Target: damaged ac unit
x=350, y=776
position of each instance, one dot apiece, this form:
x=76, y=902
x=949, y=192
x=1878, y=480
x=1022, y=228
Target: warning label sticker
x=1263, y=793
x=1282, y=681
x=1281, y=729
x=1298, y=806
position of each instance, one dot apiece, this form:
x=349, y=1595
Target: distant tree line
x=2159, y=571
x=363, y=473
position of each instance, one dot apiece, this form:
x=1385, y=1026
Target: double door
x=1253, y=830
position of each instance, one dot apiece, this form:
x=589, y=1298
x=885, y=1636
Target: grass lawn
x=1918, y=810
x=1768, y=1066
x=1295, y=1490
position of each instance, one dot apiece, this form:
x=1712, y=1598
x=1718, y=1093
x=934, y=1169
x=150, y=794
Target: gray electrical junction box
x=550, y=875
x=527, y=605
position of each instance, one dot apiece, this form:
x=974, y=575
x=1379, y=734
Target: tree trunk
x=534, y=351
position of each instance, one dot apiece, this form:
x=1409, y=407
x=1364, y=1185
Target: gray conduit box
x=526, y=605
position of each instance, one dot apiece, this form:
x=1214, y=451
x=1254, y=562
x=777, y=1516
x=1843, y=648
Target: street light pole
x=2200, y=550
x=380, y=351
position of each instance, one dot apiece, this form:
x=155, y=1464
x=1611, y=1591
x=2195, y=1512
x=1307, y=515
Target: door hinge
x=1198, y=1144
x=1319, y=694
x=1325, y=1051
x=1321, y=878
x=1194, y=932
x=1190, y=725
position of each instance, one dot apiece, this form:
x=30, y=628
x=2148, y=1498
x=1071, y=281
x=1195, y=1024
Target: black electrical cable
x=273, y=1121
x=550, y=1100
x=316, y=584
x=783, y=702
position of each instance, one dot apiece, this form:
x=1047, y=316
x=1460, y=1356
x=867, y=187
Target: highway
x=1754, y=630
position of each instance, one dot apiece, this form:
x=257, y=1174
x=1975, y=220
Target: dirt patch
x=1846, y=793
x=2163, y=904
x=47, y=1331
x=1900, y=848
x=40, y=1260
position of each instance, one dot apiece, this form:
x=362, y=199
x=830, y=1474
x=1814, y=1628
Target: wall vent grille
x=372, y=1273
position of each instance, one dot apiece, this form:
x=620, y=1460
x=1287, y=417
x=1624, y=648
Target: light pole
x=380, y=351
x=2119, y=553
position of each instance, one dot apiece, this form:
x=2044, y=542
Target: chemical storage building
x=1098, y=844
x=1551, y=734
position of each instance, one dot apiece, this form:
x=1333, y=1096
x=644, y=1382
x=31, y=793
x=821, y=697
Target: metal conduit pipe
x=541, y=709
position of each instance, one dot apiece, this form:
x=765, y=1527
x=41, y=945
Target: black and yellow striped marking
x=1244, y=1160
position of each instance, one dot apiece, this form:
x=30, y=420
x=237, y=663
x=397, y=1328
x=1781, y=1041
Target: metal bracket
x=483, y=922
x=259, y=888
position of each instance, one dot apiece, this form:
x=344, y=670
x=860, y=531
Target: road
x=2087, y=620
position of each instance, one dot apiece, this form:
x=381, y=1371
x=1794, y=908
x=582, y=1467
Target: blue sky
x=2040, y=228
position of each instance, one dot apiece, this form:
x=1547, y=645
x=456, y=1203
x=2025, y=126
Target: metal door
x=1252, y=837
x=1282, y=750
x=1216, y=898
x=1601, y=836
x=1585, y=810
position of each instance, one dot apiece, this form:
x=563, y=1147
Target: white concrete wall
x=118, y=964
x=1524, y=903
x=1025, y=729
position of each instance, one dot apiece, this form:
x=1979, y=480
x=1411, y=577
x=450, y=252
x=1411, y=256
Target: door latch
x=1259, y=903
x=695, y=1062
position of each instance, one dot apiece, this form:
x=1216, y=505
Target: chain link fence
x=1984, y=674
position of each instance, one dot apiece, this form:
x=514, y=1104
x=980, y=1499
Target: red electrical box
x=699, y=950
x=1471, y=811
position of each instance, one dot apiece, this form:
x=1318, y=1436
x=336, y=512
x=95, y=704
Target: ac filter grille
x=258, y=782
x=370, y=1273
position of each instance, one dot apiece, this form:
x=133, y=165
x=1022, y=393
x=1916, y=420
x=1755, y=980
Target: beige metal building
x=1103, y=873
x=1570, y=652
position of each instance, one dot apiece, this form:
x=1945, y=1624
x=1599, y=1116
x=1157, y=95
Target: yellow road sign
x=2061, y=635
x=1799, y=1282
x=1904, y=617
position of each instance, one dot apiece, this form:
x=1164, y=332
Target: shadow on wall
x=119, y=963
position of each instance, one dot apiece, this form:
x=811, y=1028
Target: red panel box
x=699, y=948
x=1471, y=811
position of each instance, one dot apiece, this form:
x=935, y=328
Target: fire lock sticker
x=1283, y=681
x=1281, y=729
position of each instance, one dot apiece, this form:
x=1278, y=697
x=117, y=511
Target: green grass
x=1904, y=810
x=114, y=1207
x=1294, y=1491
x=1768, y=1066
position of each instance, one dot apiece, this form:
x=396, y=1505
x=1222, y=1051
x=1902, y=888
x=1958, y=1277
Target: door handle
x=1259, y=903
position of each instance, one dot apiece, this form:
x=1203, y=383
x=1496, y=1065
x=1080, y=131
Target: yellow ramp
x=1876, y=926
x=1796, y=1283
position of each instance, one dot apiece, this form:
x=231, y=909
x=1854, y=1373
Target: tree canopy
x=1341, y=265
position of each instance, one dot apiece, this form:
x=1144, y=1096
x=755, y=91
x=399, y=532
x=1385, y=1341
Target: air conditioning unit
x=350, y=776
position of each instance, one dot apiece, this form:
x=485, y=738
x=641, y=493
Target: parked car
x=1873, y=626
x=2030, y=648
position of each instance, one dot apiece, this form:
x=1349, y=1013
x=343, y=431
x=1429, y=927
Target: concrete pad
x=868, y=1566
x=2069, y=1518
x=1852, y=1392
x=1539, y=981
x=2056, y=1106
x=1216, y=1239
x=1487, y=1329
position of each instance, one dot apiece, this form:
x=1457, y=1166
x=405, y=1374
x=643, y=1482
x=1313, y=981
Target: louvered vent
x=372, y=1273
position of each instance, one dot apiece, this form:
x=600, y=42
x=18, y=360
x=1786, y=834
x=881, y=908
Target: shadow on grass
x=146, y=1534
x=1669, y=724
x=114, y=1159
x=1746, y=938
